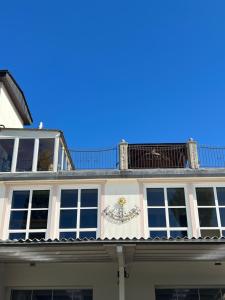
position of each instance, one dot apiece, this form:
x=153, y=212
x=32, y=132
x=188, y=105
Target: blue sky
x=145, y=71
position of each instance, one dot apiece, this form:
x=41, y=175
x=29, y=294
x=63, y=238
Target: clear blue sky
x=146, y=71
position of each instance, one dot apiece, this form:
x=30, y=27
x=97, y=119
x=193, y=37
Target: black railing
x=95, y=158
x=211, y=157
x=150, y=156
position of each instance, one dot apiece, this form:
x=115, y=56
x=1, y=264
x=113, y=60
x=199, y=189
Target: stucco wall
x=143, y=277
x=9, y=116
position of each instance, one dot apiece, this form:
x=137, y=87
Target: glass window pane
x=210, y=294
x=155, y=197
x=25, y=155
x=207, y=217
x=6, y=153
x=68, y=218
x=21, y=295
x=60, y=154
x=210, y=233
x=158, y=234
x=177, y=217
x=17, y=236
x=42, y=295
x=18, y=220
x=82, y=295
x=156, y=217
x=221, y=195
x=88, y=234
x=36, y=235
x=187, y=294
x=62, y=295
x=175, y=197
x=20, y=199
x=165, y=294
x=205, y=196
x=89, y=198
x=222, y=216
x=38, y=219
x=45, y=154
x=69, y=198
x=178, y=233
x=88, y=218
x=68, y=235
x=40, y=199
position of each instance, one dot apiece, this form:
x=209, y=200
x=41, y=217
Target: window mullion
x=217, y=209
x=166, y=211
x=78, y=212
x=29, y=213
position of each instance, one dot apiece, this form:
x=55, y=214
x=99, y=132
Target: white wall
x=102, y=277
x=9, y=116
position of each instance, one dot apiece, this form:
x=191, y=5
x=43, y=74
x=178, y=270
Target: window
x=6, y=154
x=25, y=155
x=167, y=215
x=45, y=154
x=78, y=213
x=190, y=294
x=29, y=214
x=211, y=210
x=84, y=294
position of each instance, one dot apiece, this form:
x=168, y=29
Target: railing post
x=123, y=153
x=192, y=152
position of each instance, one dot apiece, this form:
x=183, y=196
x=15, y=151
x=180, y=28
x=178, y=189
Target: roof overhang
x=17, y=96
x=85, y=251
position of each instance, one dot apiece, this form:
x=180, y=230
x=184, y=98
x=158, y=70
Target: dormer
x=14, y=111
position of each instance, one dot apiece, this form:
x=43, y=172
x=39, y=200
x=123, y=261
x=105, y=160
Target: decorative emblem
x=118, y=214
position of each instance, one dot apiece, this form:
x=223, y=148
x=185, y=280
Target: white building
x=150, y=227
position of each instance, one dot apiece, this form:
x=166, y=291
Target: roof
x=17, y=96
x=105, y=250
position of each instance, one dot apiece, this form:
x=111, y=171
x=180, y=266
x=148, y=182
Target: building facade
x=151, y=226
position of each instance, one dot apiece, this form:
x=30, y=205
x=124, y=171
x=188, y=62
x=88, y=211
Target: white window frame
x=77, y=230
x=217, y=206
x=166, y=207
x=7, y=231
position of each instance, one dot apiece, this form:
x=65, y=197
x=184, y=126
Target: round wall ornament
x=119, y=214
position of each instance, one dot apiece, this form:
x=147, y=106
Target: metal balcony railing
x=211, y=156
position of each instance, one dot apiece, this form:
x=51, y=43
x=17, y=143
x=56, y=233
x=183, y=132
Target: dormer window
x=25, y=155
x=45, y=155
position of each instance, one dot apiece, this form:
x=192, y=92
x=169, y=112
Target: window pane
x=25, y=155
x=42, y=295
x=67, y=235
x=210, y=294
x=177, y=217
x=62, y=295
x=88, y=234
x=21, y=295
x=156, y=217
x=68, y=218
x=207, y=217
x=17, y=236
x=45, y=154
x=165, y=294
x=155, y=197
x=60, y=154
x=20, y=199
x=187, y=294
x=18, y=220
x=175, y=197
x=221, y=195
x=40, y=199
x=210, y=232
x=158, y=234
x=38, y=219
x=222, y=216
x=205, y=196
x=82, y=295
x=36, y=235
x=6, y=153
x=89, y=198
x=178, y=233
x=69, y=198
x=88, y=218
